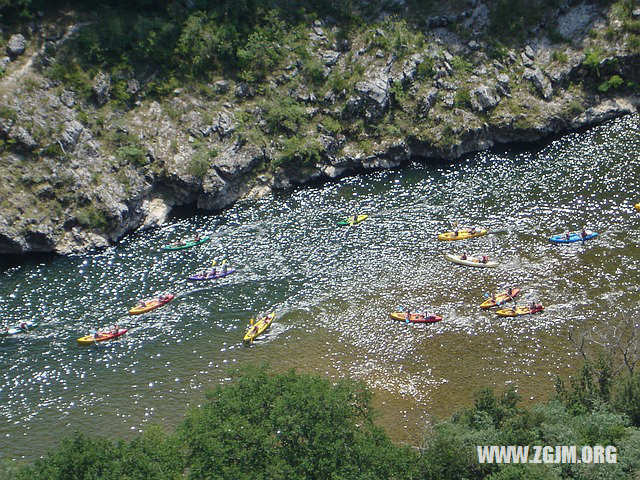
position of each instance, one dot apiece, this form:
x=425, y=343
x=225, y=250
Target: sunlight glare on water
x=332, y=289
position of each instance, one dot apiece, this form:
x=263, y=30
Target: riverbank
x=97, y=144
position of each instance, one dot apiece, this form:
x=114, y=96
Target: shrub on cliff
x=298, y=152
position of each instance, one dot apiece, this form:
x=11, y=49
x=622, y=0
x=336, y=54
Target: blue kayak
x=573, y=237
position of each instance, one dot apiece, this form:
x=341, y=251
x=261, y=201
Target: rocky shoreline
x=83, y=167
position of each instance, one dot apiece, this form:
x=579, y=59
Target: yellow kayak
x=350, y=221
x=151, y=304
x=516, y=312
x=101, y=337
x=462, y=234
x=258, y=328
x=500, y=298
x=637, y=206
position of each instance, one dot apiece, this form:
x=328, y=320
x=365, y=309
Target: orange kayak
x=151, y=305
x=500, y=298
x=101, y=337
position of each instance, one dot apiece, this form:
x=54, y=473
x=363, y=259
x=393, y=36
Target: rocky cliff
x=88, y=156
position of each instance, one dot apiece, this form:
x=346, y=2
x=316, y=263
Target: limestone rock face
x=16, y=45
x=79, y=173
x=101, y=88
x=483, y=98
x=374, y=90
x=540, y=81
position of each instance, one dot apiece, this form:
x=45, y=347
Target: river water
x=332, y=289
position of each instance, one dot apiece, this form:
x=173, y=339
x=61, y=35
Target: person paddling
x=583, y=234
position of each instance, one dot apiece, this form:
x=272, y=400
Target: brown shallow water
x=332, y=289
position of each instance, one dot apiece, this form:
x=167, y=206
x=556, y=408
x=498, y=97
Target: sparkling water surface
x=332, y=289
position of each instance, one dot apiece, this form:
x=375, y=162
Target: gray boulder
x=375, y=92
x=426, y=102
x=71, y=135
x=133, y=87
x=223, y=125
x=244, y=90
x=540, y=81
x=483, y=98
x=221, y=86
x=68, y=98
x=22, y=136
x=101, y=88
x=17, y=44
x=329, y=57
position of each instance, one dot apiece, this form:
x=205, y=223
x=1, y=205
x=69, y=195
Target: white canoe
x=470, y=261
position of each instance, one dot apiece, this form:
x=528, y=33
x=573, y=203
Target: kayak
x=206, y=276
x=473, y=262
x=258, y=328
x=500, y=299
x=188, y=244
x=415, y=317
x=15, y=330
x=101, y=337
x=349, y=221
x=462, y=234
x=516, y=312
x=573, y=237
x=151, y=305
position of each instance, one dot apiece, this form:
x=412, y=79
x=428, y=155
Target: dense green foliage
x=292, y=426
x=262, y=426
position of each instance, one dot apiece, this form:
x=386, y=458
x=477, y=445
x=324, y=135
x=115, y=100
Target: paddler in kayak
x=463, y=256
x=24, y=327
x=472, y=231
x=583, y=234
x=142, y=303
x=197, y=237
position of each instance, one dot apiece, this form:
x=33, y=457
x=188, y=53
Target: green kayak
x=349, y=220
x=186, y=244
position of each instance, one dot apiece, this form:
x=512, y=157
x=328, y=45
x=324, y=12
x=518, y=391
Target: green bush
x=283, y=114
x=612, y=83
x=313, y=70
x=560, y=56
x=92, y=217
x=461, y=65
x=132, y=153
x=298, y=152
x=426, y=69
x=462, y=98
x=151, y=456
x=52, y=150
x=332, y=125
x=592, y=60
x=294, y=426
x=200, y=163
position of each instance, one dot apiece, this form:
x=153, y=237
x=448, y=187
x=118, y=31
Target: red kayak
x=415, y=318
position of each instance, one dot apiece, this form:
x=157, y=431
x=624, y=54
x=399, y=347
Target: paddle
x=406, y=318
